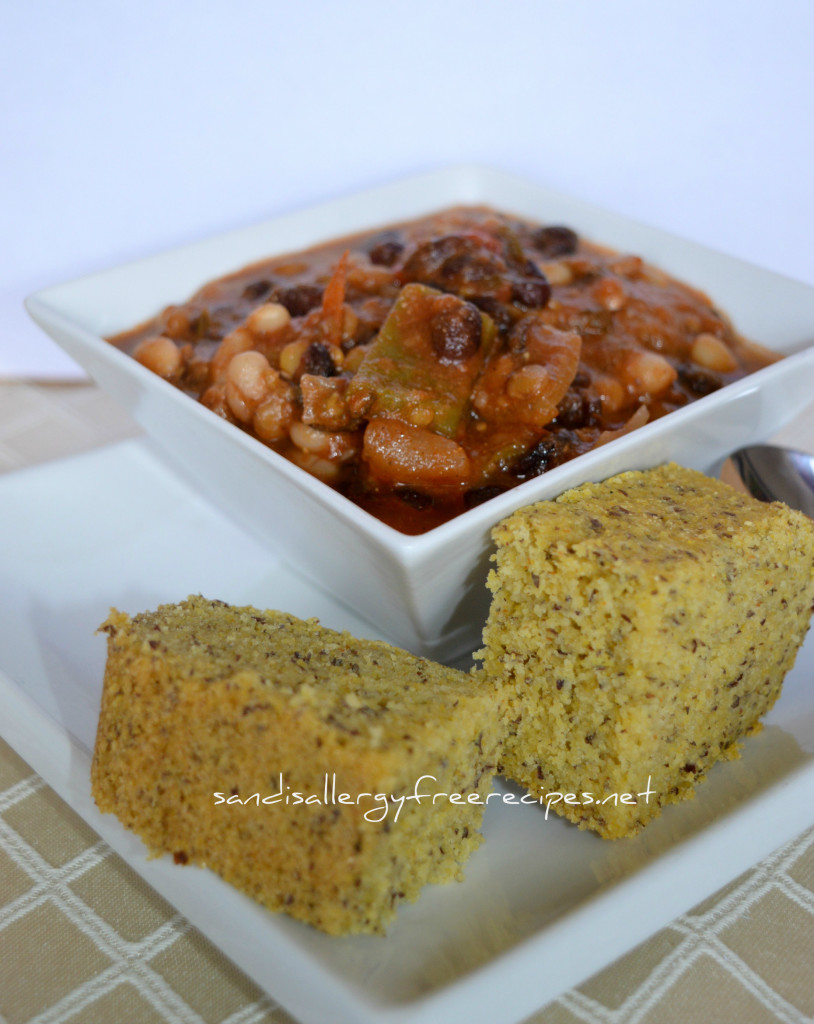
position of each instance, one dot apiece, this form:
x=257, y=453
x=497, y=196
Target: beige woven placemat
x=83, y=940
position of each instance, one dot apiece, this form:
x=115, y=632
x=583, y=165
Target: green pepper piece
x=422, y=365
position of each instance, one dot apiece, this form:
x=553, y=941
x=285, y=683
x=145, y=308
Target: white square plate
x=543, y=906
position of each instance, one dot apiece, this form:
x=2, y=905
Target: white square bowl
x=426, y=592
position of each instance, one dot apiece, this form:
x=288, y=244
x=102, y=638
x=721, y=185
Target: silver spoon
x=777, y=474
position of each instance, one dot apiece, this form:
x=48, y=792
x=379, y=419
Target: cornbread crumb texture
x=202, y=698
x=641, y=627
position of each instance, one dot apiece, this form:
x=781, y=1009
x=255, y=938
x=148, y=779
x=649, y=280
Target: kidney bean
x=318, y=360
x=456, y=263
x=533, y=293
x=555, y=240
x=428, y=261
x=577, y=409
x=299, y=299
x=699, y=382
x=415, y=499
x=541, y=457
x=479, y=495
x=499, y=313
x=386, y=249
x=456, y=333
x=256, y=290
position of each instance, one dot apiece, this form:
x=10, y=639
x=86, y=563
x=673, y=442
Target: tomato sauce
x=424, y=368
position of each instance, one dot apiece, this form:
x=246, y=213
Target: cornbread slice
x=641, y=627
x=287, y=757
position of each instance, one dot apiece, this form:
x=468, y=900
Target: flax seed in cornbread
x=245, y=741
x=641, y=627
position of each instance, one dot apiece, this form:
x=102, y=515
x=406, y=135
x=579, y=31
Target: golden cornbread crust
x=641, y=627
x=203, y=702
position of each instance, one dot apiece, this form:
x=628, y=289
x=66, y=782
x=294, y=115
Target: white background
x=129, y=128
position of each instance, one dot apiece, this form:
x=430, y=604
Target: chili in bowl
x=462, y=344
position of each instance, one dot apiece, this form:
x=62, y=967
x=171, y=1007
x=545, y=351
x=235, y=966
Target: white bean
x=276, y=412
x=268, y=318
x=239, y=340
x=324, y=470
x=713, y=354
x=648, y=373
x=610, y=392
x=159, y=354
x=337, y=446
x=291, y=357
x=248, y=379
x=611, y=294
x=557, y=272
